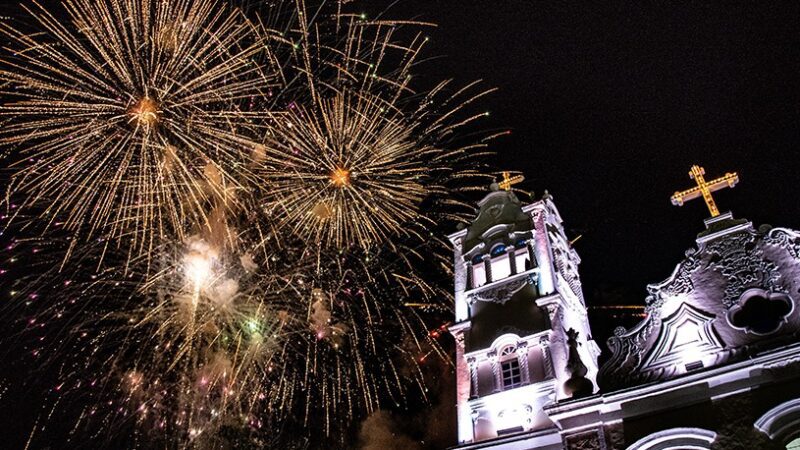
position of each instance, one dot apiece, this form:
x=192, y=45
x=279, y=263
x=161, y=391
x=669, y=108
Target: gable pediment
x=733, y=295
x=685, y=337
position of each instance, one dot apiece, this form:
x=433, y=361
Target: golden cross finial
x=705, y=188
x=509, y=181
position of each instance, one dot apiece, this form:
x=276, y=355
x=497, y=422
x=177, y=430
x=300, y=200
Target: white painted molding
x=505, y=340
x=676, y=439
x=780, y=422
x=698, y=341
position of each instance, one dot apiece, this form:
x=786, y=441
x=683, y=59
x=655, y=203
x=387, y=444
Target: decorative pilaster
x=522, y=357
x=465, y=425
x=473, y=376
x=460, y=278
x=487, y=267
x=512, y=259
x=468, y=268
x=494, y=359
x=547, y=361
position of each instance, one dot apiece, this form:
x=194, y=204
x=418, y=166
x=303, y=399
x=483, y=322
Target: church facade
x=715, y=363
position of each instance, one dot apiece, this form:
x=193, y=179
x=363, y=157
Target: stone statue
x=577, y=385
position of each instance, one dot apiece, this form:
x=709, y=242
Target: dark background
x=609, y=104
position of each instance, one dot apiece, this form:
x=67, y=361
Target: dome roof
x=497, y=208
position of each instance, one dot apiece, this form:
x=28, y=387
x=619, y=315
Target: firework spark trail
x=352, y=158
x=338, y=364
x=359, y=171
x=347, y=170
x=269, y=283
x=182, y=352
x=128, y=118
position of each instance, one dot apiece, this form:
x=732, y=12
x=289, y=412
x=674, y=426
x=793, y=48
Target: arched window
x=509, y=366
x=782, y=424
x=498, y=250
x=676, y=439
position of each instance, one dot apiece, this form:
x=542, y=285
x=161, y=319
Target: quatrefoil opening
x=760, y=312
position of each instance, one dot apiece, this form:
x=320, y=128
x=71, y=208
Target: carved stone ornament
x=682, y=282
x=586, y=440
x=500, y=293
x=741, y=261
x=577, y=385
x=458, y=245
x=785, y=238
x=741, y=273
x=460, y=339
x=685, y=336
x=536, y=214
x=727, y=267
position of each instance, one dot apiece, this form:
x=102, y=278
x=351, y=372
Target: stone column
x=547, y=361
x=512, y=259
x=473, y=377
x=522, y=356
x=532, y=254
x=487, y=266
x=494, y=359
x=468, y=268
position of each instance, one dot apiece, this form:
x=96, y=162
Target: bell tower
x=521, y=329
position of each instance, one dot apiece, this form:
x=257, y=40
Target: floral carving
x=501, y=293
x=682, y=283
x=738, y=260
x=788, y=239
x=742, y=262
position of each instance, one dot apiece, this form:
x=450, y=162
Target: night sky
x=609, y=106
x=611, y=103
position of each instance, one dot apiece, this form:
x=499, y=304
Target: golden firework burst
x=347, y=170
x=118, y=115
x=351, y=160
x=145, y=112
x=133, y=118
x=340, y=177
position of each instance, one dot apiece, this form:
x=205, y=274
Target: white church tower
x=522, y=333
